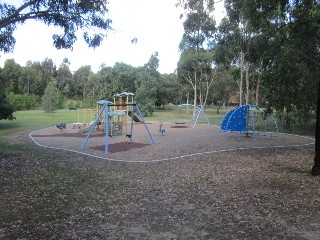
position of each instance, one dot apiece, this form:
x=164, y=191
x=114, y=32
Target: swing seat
x=180, y=123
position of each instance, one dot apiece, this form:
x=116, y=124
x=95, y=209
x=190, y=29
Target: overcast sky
x=155, y=23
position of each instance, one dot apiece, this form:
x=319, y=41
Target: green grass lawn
x=38, y=119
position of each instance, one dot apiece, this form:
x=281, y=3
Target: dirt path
x=256, y=194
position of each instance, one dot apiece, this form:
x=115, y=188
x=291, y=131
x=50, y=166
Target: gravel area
x=174, y=143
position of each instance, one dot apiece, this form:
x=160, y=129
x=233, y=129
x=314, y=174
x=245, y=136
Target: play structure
x=113, y=118
x=195, y=118
x=250, y=120
x=85, y=114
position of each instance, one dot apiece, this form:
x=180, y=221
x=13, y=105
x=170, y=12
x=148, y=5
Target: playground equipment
x=115, y=120
x=61, y=126
x=162, y=130
x=195, y=118
x=106, y=113
x=85, y=113
x=244, y=119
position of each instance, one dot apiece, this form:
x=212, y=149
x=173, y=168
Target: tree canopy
x=69, y=15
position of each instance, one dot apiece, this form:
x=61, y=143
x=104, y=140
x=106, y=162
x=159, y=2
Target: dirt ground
x=259, y=193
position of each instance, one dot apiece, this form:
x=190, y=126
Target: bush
x=22, y=101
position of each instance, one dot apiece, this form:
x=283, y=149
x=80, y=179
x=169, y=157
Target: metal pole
x=93, y=125
x=197, y=117
x=107, y=132
x=131, y=128
x=140, y=115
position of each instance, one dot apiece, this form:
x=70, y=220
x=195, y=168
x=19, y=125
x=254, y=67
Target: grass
x=174, y=114
x=38, y=119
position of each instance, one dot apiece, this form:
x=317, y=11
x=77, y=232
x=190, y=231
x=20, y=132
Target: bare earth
x=221, y=186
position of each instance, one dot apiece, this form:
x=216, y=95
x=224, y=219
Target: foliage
x=10, y=75
x=6, y=110
x=196, y=60
x=22, y=101
x=147, y=83
x=30, y=79
x=51, y=98
x=70, y=16
x=290, y=76
x=167, y=90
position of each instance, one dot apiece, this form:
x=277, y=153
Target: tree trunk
x=241, y=75
x=316, y=167
x=257, y=91
x=195, y=99
x=247, y=84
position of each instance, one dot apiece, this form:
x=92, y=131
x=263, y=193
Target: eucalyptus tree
x=64, y=79
x=48, y=74
x=10, y=75
x=288, y=36
x=123, y=78
x=234, y=42
x=68, y=15
x=80, y=81
x=29, y=78
x=106, y=77
x=196, y=68
x=94, y=85
x=196, y=61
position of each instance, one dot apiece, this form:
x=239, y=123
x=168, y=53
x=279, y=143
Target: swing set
x=107, y=113
x=195, y=117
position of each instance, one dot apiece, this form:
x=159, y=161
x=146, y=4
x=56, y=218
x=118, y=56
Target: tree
x=81, y=81
x=169, y=90
x=28, y=79
x=6, y=110
x=290, y=76
x=10, y=75
x=50, y=99
x=64, y=77
x=68, y=15
x=195, y=62
x=123, y=76
x=147, y=84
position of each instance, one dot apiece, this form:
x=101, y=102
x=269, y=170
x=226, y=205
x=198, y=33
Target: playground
x=132, y=139
x=176, y=142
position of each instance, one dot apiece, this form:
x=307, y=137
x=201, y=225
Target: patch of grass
x=37, y=119
x=175, y=114
x=13, y=147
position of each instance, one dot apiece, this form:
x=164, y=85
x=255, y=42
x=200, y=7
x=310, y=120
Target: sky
x=155, y=23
